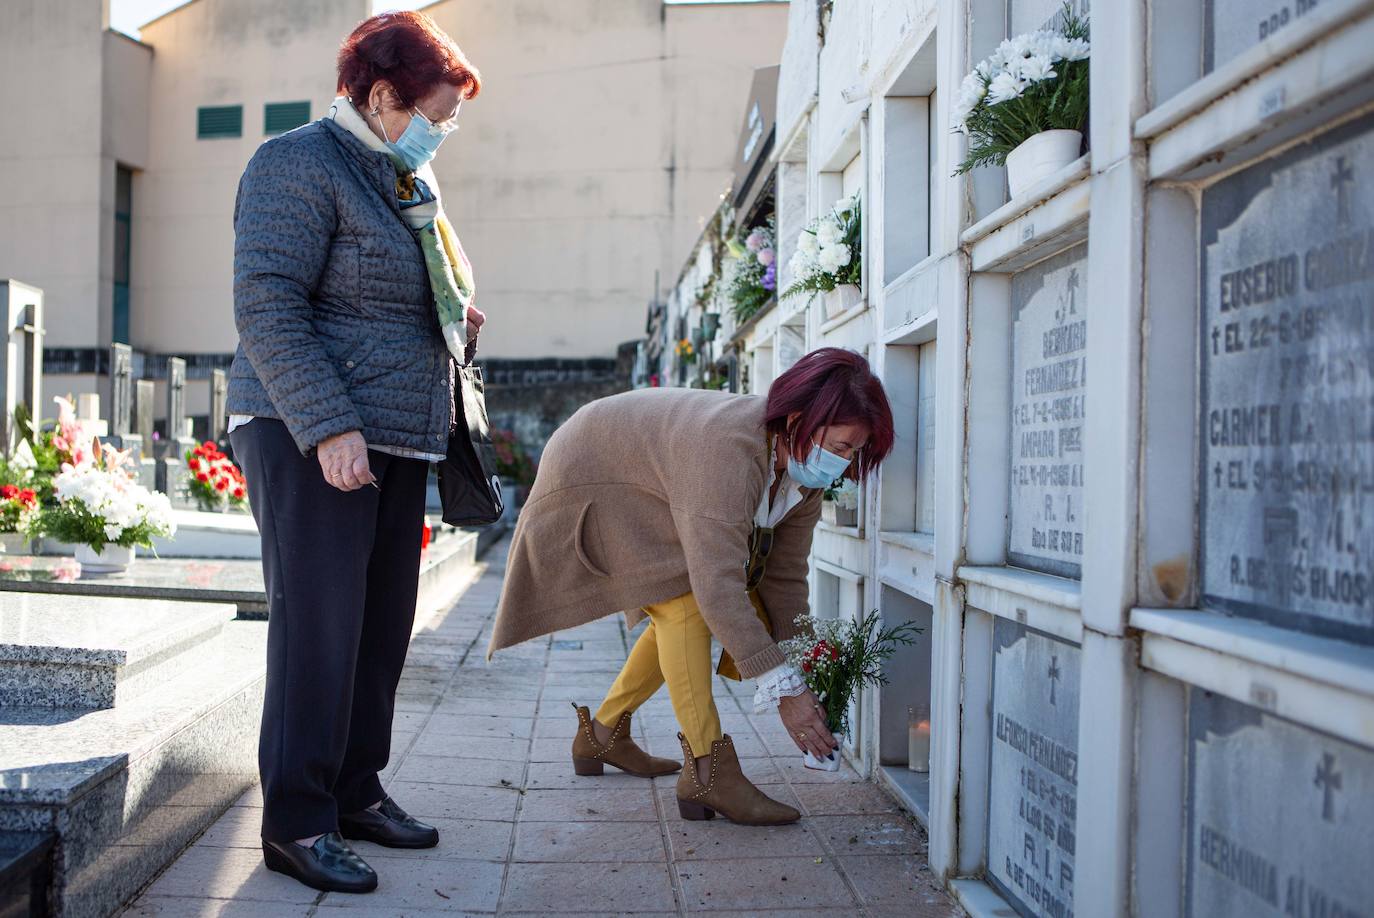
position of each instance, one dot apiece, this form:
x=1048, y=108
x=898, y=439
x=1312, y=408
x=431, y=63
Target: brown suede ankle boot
x=728, y=792
x=590, y=757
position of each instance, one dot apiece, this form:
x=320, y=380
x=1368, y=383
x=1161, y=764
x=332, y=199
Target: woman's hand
x=804, y=719
x=343, y=458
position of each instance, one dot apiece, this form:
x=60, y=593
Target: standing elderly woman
x=695, y=508
x=352, y=298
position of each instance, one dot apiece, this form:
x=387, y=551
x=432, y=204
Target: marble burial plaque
x=1279, y=817
x=1049, y=373
x=1030, y=15
x=1033, y=788
x=1287, y=391
x=1232, y=27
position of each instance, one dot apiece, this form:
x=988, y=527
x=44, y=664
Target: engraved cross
x=1341, y=179
x=1054, y=677
x=1329, y=780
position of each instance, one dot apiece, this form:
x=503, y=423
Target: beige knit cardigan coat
x=645, y=496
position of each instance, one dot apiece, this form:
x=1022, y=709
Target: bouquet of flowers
x=1032, y=83
x=17, y=506
x=755, y=277
x=215, y=481
x=828, y=251
x=513, y=461
x=837, y=658
x=99, y=504
x=685, y=351
x=844, y=492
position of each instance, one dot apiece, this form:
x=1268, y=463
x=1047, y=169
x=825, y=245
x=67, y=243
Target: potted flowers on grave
x=103, y=512
x=828, y=260
x=216, y=482
x=837, y=658
x=17, y=507
x=686, y=351
x=1025, y=105
x=754, y=272
x=840, y=503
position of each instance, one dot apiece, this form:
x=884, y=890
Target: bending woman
x=695, y=508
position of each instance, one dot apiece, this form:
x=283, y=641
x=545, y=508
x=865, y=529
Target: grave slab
x=92, y=652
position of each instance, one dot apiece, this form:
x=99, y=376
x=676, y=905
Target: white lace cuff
x=780, y=682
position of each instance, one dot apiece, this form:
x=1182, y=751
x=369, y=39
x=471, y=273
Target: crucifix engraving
x=1054, y=677
x=1341, y=180
x=1329, y=780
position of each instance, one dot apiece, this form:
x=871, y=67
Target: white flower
x=827, y=233
x=847, y=495
x=985, y=69
x=1071, y=49
x=807, y=243
x=971, y=92
x=1035, y=68
x=1004, y=87
x=834, y=257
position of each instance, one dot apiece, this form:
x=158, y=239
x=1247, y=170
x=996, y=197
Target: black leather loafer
x=388, y=825
x=329, y=864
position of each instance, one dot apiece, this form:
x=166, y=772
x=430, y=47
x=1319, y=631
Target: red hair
x=827, y=387
x=408, y=51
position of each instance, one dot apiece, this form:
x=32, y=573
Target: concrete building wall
x=215, y=52
x=51, y=170
x=603, y=132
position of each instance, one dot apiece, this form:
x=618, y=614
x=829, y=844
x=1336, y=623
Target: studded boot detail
x=727, y=791
x=590, y=757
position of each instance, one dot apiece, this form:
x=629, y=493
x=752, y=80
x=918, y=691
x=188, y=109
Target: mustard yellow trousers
x=676, y=649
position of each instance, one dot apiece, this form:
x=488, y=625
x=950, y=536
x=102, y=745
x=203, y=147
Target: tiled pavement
x=481, y=751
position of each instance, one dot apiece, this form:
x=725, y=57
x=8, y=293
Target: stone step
x=96, y=652
x=126, y=789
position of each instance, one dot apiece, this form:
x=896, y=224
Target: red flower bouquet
x=215, y=481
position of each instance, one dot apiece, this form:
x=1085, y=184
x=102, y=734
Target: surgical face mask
x=819, y=469
x=419, y=141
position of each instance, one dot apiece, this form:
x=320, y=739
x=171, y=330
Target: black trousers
x=342, y=571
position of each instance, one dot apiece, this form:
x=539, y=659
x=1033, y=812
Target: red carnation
x=202, y=477
x=806, y=667
x=9, y=491
x=193, y=463
x=221, y=485
x=239, y=494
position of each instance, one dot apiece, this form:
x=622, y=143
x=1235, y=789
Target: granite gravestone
x=144, y=393
x=1232, y=27
x=121, y=423
x=21, y=356
x=1287, y=391
x=171, y=468
x=1049, y=373
x=219, y=406
x=1279, y=817
x=1030, y=15
x=1033, y=786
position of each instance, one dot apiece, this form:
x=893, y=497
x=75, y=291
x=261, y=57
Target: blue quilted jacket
x=336, y=321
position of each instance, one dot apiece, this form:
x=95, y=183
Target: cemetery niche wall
x=1287, y=395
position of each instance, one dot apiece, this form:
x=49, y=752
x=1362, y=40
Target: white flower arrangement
x=98, y=503
x=1032, y=83
x=828, y=251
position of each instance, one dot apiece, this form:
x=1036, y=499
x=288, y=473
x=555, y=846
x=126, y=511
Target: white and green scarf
x=450, y=272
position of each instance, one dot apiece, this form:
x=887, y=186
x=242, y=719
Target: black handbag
x=469, y=486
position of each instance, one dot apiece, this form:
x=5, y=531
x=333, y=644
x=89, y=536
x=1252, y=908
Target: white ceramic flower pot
x=1041, y=155
x=114, y=559
x=14, y=543
x=836, y=515
x=842, y=299
x=827, y=764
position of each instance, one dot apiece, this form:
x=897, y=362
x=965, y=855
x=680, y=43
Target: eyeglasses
x=447, y=126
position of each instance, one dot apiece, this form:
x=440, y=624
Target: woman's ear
x=380, y=92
